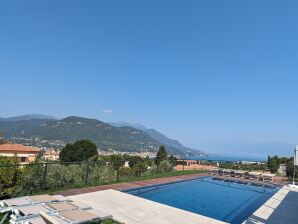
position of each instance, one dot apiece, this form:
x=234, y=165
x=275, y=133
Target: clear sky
x=221, y=76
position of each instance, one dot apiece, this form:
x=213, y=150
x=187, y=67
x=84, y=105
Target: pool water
x=226, y=201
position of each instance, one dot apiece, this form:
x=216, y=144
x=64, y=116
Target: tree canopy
x=79, y=151
x=9, y=175
x=1, y=138
x=290, y=168
x=116, y=160
x=162, y=153
x=274, y=163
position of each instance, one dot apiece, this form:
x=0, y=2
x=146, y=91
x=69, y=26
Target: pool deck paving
x=133, y=184
x=130, y=209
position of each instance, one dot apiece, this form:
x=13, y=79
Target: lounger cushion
x=43, y=198
x=63, y=206
x=32, y=209
x=60, y=197
x=79, y=215
x=16, y=201
x=49, y=219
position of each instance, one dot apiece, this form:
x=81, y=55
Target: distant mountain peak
x=157, y=136
x=26, y=117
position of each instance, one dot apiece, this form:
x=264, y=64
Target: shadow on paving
x=286, y=212
x=255, y=219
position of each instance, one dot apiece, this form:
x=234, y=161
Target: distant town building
x=141, y=154
x=51, y=154
x=25, y=154
x=250, y=162
x=193, y=165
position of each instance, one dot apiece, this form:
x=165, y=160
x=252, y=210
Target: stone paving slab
x=130, y=209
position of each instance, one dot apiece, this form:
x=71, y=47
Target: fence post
x=44, y=176
x=117, y=178
x=87, y=169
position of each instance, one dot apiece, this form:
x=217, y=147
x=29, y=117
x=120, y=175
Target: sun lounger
x=33, y=220
x=254, y=175
x=232, y=173
x=27, y=212
x=226, y=172
x=214, y=171
x=9, y=204
x=239, y=173
x=75, y=216
x=31, y=211
x=267, y=176
x=31, y=200
x=66, y=206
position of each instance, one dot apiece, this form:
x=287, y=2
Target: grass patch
x=109, y=221
x=6, y=220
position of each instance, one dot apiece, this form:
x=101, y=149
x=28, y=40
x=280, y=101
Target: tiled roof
x=17, y=148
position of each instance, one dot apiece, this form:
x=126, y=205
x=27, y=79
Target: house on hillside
x=25, y=154
x=51, y=154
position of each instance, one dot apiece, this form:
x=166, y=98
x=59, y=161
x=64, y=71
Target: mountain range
x=46, y=131
x=28, y=117
x=153, y=134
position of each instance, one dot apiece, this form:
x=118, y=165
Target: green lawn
x=110, y=221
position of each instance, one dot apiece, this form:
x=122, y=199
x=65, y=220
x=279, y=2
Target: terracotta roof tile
x=17, y=148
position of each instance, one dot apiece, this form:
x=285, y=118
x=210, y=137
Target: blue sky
x=221, y=76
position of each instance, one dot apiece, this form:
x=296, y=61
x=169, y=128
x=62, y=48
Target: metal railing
x=26, y=179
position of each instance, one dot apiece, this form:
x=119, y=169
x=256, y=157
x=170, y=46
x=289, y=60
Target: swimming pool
x=231, y=202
